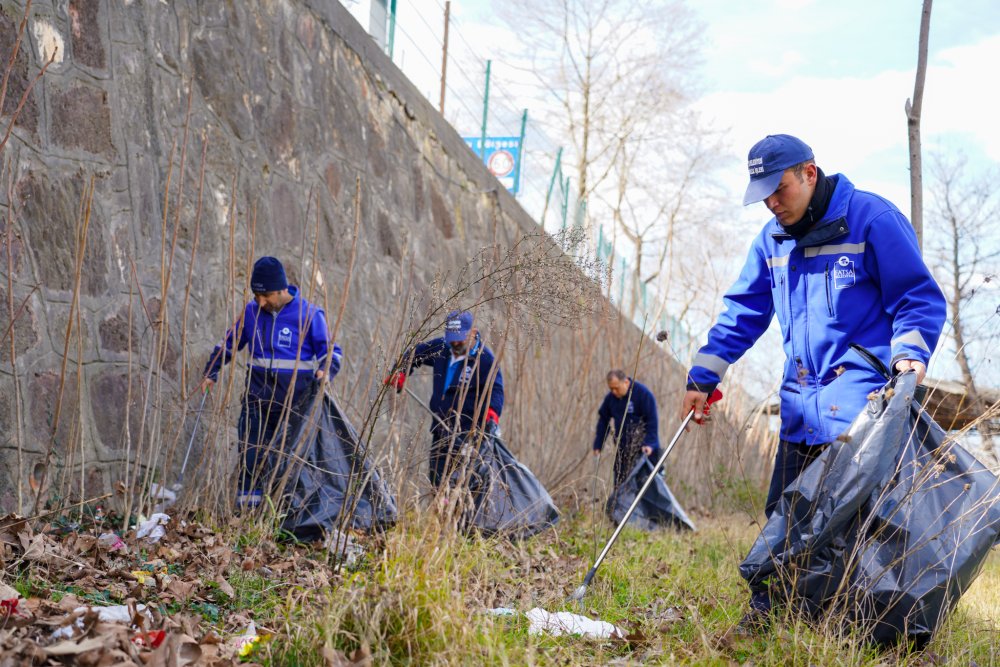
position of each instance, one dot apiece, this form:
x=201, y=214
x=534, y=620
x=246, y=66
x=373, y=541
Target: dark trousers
x=259, y=422
x=789, y=462
x=443, y=455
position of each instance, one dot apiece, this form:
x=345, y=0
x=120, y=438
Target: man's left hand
x=912, y=365
x=321, y=375
x=647, y=450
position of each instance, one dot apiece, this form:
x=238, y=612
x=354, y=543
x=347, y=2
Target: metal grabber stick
x=197, y=420
x=582, y=590
x=427, y=408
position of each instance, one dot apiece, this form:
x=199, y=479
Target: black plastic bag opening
x=885, y=530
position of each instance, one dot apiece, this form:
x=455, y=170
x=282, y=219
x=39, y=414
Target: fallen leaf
x=224, y=586
x=70, y=647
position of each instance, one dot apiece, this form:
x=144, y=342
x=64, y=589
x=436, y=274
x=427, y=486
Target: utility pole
x=486, y=109
x=444, y=55
x=913, y=127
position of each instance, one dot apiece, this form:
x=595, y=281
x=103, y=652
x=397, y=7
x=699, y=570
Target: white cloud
x=857, y=125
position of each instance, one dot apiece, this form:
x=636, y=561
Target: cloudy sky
x=838, y=75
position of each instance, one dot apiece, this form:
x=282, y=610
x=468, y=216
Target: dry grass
x=423, y=600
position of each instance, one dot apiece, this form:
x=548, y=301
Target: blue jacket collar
x=834, y=223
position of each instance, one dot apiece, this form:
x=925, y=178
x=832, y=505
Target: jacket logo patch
x=843, y=273
x=631, y=408
x=466, y=375
x=285, y=337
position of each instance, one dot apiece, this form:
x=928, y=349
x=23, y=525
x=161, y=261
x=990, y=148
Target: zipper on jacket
x=784, y=301
x=829, y=294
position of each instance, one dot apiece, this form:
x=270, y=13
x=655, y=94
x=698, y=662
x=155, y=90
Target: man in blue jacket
x=837, y=266
x=631, y=407
x=467, y=388
x=289, y=351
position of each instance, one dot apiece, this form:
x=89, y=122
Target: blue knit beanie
x=268, y=276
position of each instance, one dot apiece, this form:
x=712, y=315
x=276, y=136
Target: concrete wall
x=212, y=132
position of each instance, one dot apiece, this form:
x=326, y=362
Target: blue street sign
x=502, y=154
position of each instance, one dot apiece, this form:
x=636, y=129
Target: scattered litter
x=114, y=614
x=153, y=528
x=245, y=643
x=342, y=544
x=162, y=497
x=501, y=611
x=111, y=541
x=566, y=623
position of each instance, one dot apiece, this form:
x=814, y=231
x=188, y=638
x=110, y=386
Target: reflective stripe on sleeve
x=912, y=337
x=773, y=262
x=717, y=365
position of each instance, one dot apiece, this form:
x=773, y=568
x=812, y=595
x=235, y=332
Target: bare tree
x=614, y=67
x=622, y=75
x=965, y=255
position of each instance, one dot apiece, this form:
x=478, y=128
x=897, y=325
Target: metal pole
x=520, y=153
x=565, y=203
x=427, y=408
x=444, y=54
x=486, y=108
x=392, y=26
x=552, y=183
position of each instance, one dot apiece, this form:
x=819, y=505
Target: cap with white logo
x=768, y=160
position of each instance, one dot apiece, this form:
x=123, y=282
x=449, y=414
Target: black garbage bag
x=329, y=476
x=656, y=509
x=505, y=496
x=885, y=530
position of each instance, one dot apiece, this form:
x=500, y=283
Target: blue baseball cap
x=768, y=160
x=457, y=326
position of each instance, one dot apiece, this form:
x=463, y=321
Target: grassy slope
x=422, y=601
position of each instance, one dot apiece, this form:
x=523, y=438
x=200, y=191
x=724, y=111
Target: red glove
x=714, y=398
x=397, y=380
x=492, y=416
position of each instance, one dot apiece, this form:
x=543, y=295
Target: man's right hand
x=206, y=385
x=397, y=380
x=699, y=402
x=694, y=400
x=596, y=452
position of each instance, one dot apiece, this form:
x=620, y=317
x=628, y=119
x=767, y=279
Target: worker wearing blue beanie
x=289, y=351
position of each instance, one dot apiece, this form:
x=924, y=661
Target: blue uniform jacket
x=630, y=414
x=292, y=341
x=856, y=277
x=450, y=380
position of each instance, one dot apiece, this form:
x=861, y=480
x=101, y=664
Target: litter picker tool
x=425, y=407
x=197, y=420
x=582, y=589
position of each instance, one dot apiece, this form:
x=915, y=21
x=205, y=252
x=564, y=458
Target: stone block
x=115, y=333
x=214, y=59
x=441, y=215
x=51, y=209
x=19, y=78
x=25, y=329
x=81, y=119
x=386, y=236
x=114, y=402
x=43, y=399
x=87, y=36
